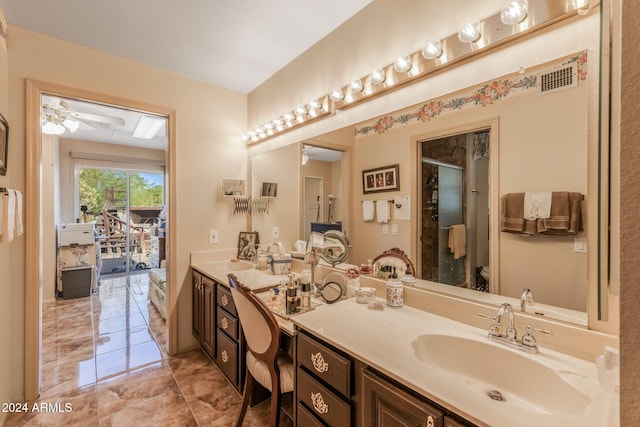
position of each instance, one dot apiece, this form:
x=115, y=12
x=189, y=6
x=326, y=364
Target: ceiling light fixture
x=50, y=125
x=469, y=32
x=402, y=64
x=515, y=12
x=432, y=50
x=148, y=126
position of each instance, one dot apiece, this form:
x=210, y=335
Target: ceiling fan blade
x=116, y=121
x=83, y=126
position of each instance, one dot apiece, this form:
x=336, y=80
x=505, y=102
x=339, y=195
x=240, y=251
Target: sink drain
x=496, y=395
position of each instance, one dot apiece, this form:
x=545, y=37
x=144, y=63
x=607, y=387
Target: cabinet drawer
x=322, y=402
x=227, y=323
x=306, y=418
x=225, y=300
x=227, y=356
x=325, y=364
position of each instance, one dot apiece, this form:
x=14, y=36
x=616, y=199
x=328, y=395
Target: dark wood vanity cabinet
x=216, y=326
x=384, y=404
x=203, y=302
x=324, y=384
x=229, y=346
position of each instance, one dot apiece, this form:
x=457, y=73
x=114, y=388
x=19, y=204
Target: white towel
x=19, y=227
x=537, y=205
x=382, y=211
x=367, y=210
x=11, y=214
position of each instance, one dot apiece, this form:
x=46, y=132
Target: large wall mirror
x=458, y=155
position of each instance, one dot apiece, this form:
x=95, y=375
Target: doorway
x=454, y=220
x=40, y=211
x=312, y=189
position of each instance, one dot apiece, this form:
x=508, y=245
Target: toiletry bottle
x=305, y=291
x=292, y=296
x=394, y=293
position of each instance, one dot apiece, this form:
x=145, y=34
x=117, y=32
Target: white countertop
x=383, y=340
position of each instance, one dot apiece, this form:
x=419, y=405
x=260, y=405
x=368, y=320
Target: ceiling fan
x=57, y=118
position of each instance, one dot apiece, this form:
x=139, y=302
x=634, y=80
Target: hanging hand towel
x=19, y=227
x=11, y=214
x=458, y=240
x=512, y=212
x=367, y=210
x=382, y=211
x=537, y=205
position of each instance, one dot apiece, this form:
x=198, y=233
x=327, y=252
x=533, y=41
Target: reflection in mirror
x=335, y=248
x=322, y=197
x=392, y=263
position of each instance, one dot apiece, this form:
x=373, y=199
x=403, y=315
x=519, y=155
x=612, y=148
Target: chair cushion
x=260, y=371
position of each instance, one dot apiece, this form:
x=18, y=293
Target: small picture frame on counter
x=248, y=242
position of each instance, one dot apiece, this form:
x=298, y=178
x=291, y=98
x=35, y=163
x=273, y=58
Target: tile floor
x=104, y=358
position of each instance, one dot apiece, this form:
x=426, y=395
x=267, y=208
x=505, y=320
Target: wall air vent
x=557, y=78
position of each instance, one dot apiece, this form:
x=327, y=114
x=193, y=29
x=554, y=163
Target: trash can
x=76, y=282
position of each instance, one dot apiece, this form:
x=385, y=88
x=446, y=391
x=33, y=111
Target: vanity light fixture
x=500, y=28
x=432, y=50
x=377, y=76
x=515, y=12
x=469, y=32
x=402, y=64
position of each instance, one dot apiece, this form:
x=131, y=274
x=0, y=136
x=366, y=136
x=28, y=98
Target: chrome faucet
x=511, y=333
x=509, y=336
x=526, y=299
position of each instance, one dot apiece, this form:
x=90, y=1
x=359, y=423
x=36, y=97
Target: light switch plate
x=394, y=229
x=213, y=237
x=385, y=228
x=580, y=245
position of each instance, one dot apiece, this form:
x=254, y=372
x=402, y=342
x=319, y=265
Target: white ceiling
x=234, y=44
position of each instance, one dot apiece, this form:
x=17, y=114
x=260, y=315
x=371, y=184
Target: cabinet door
x=383, y=404
x=196, y=305
x=208, y=316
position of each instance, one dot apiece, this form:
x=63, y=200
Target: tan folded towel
x=512, y=213
x=566, y=214
x=458, y=240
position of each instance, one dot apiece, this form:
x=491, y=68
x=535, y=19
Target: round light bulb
x=469, y=32
x=336, y=94
x=432, y=49
x=402, y=64
x=377, y=76
x=514, y=12
x=356, y=85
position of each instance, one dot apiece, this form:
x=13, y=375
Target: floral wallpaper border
x=487, y=94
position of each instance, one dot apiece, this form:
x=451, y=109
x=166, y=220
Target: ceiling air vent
x=557, y=78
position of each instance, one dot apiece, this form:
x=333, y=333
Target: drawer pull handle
x=318, y=403
x=318, y=362
x=225, y=300
x=225, y=323
x=224, y=356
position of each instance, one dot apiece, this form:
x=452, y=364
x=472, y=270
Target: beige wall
x=283, y=167
x=209, y=121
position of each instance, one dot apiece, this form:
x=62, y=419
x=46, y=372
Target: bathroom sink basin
x=501, y=374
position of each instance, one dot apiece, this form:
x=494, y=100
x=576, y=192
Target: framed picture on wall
x=4, y=144
x=248, y=242
x=233, y=187
x=386, y=178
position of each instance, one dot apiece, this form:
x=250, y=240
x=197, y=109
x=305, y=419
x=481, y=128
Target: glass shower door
x=451, y=271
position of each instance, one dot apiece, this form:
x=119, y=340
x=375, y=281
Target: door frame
x=33, y=232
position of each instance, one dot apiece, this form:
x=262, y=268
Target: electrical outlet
x=580, y=245
x=275, y=232
x=213, y=237
x=394, y=229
